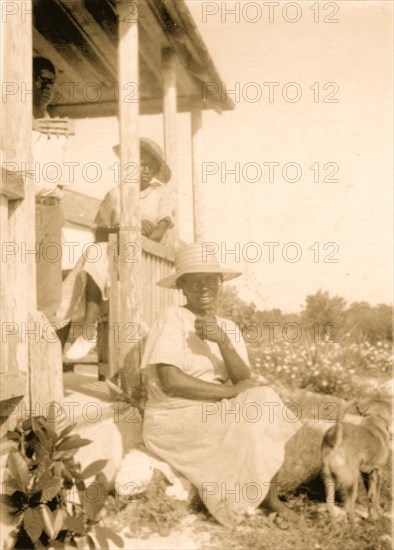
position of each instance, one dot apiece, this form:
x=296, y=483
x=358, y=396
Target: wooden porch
x=112, y=57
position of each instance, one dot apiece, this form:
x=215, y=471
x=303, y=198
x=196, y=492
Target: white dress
x=229, y=450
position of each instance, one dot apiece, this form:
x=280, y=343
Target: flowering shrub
x=46, y=492
x=332, y=368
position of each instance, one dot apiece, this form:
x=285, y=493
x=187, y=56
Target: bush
x=46, y=490
x=322, y=367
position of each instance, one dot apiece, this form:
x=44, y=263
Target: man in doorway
x=49, y=151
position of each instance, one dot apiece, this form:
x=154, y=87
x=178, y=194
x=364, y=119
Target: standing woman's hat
x=164, y=174
x=192, y=258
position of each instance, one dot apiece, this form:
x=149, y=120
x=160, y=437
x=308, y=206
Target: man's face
x=43, y=88
x=149, y=168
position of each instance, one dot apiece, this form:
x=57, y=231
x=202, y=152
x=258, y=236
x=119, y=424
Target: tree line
x=355, y=322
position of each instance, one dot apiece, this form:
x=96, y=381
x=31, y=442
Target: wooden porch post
x=17, y=268
x=198, y=207
x=170, y=116
x=130, y=250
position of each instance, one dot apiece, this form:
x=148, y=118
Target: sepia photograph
x=196, y=274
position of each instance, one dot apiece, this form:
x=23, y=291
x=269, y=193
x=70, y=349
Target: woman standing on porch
x=85, y=290
x=199, y=393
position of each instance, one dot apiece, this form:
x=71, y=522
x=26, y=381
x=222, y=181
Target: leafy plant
x=47, y=493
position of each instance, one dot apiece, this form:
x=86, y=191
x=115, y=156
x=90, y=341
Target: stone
x=136, y=471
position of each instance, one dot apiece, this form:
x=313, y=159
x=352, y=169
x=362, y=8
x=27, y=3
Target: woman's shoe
x=79, y=349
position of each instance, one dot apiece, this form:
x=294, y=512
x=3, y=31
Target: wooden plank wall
x=31, y=368
x=16, y=213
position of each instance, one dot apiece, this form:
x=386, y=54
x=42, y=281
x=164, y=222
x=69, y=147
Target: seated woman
x=157, y=207
x=204, y=415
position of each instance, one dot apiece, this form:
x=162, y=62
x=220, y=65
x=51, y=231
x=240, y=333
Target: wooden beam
x=158, y=250
x=12, y=185
x=5, y=286
x=17, y=273
x=148, y=106
x=94, y=34
x=114, y=352
x=55, y=22
x=198, y=205
x=170, y=124
x=184, y=38
x=130, y=272
x=45, y=48
x=150, y=55
x=45, y=361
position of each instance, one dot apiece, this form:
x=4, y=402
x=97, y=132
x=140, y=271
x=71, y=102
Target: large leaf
x=17, y=500
x=47, y=520
x=99, y=538
x=45, y=441
x=52, y=416
x=44, y=477
x=93, y=499
x=72, y=442
x=19, y=469
x=105, y=533
x=101, y=478
x=32, y=522
x=85, y=543
x=40, y=423
x=48, y=427
x=51, y=487
x=68, y=429
x=64, y=455
x=58, y=521
x=34, y=499
x=72, y=469
x=93, y=468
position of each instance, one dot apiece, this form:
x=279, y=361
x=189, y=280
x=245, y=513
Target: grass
x=348, y=372
x=313, y=531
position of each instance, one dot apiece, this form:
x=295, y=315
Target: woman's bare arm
x=236, y=367
x=208, y=329
x=158, y=233
x=176, y=383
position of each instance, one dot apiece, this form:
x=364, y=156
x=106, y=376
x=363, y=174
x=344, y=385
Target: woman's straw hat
x=164, y=174
x=193, y=258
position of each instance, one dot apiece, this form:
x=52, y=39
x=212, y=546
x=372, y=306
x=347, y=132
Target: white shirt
x=49, y=171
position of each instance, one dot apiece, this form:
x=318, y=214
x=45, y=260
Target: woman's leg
x=93, y=301
x=87, y=341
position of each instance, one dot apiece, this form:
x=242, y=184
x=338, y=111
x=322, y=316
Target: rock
x=136, y=471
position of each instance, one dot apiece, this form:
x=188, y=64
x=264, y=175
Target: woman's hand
x=102, y=233
x=147, y=227
x=159, y=230
x=208, y=329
